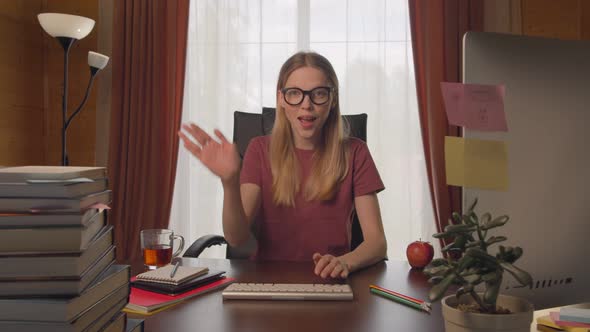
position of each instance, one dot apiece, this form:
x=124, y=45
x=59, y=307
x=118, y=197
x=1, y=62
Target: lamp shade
x=97, y=60
x=65, y=25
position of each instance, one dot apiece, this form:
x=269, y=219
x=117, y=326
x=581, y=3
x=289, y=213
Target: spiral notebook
x=162, y=274
x=209, y=277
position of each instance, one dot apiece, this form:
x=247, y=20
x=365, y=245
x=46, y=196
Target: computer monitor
x=547, y=107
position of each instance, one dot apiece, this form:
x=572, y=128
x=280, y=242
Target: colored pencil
x=399, y=300
x=406, y=297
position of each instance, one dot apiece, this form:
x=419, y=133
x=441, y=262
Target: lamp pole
x=66, y=43
x=93, y=71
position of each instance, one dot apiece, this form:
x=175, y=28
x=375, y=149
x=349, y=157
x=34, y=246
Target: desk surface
x=366, y=312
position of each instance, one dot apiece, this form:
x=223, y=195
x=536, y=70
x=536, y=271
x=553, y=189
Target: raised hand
x=328, y=266
x=221, y=157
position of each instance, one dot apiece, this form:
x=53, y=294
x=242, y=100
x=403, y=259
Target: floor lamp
x=67, y=29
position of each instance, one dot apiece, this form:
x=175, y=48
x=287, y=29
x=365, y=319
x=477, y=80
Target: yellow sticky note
x=476, y=163
x=455, y=160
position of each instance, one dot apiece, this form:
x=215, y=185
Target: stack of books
x=160, y=289
x=57, y=253
x=566, y=319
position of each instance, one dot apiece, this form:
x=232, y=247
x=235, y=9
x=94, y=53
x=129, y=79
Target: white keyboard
x=307, y=292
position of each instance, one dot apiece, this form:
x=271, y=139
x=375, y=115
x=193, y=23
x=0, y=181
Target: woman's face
x=306, y=118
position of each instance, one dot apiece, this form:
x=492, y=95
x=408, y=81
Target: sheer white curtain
x=235, y=50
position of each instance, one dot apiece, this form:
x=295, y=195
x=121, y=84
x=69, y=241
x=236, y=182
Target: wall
x=503, y=16
x=563, y=19
x=22, y=98
x=103, y=87
x=31, y=65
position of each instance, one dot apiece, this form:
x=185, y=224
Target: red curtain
x=437, y=31
x=149, y=53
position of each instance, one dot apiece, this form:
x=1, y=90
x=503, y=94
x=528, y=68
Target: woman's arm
x=372, y=250
x=240, y=204
x=374, y=246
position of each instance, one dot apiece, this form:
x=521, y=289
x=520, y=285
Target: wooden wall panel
x=503, y=16
x=554, y=19
x=585, y=19
x=564, y=19
x=21, y=86
x=104, y=84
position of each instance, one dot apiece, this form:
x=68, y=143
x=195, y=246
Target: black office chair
x=250, y=125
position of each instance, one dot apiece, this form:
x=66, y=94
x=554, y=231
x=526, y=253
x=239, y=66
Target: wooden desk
x=366, y=312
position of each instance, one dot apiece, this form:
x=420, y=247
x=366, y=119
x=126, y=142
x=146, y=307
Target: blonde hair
x=330, y=159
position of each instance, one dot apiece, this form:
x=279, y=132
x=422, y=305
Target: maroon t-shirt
x=295, y=233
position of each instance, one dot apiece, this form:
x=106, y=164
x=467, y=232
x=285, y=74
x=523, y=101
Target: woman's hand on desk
x=221, y=157
x=328, y=266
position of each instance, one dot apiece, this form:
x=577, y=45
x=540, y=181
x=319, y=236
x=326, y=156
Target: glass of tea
x=156, y=246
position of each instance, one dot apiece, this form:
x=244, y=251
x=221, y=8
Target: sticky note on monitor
x=475, y=106
x=476, y=163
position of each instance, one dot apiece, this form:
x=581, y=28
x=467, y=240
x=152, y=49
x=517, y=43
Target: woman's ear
x=280, y=99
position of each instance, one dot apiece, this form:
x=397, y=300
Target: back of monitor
x=547, y=109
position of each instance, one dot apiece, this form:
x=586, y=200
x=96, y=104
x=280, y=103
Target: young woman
x=302, y=183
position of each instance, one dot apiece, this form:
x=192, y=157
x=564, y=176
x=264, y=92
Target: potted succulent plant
x=473, y=264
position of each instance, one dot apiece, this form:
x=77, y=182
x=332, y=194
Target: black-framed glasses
x=318, y=96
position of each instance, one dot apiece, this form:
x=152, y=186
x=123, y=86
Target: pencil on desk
x=406, y=297
x=400, y=300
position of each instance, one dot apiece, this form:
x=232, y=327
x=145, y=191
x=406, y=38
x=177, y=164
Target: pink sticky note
x=475, y=106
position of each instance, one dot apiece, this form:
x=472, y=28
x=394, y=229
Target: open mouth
x=306, y=120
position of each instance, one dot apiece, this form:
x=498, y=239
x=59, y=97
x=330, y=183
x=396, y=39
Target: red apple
x=419, y=254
